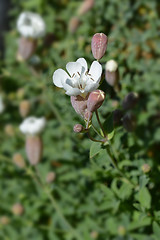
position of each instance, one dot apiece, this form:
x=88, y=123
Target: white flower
x=32, y=125
x=2, y=107
x=31, y=25
x=111, y=66
x=79, y=81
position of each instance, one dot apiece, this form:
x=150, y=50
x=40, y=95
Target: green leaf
x=139, y=223
x=144, y=198
x=156, y=230
x=143, y=180
x=108, y=126
x=95, y=149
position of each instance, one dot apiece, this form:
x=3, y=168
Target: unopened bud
x=129, y=122
x=20, y=93
x=74, y=24
x=78, y=128
x=24, y=108
x=19, y=160
x=26, y=48
x=99, y=45
x=9, y=130
x=50, y=177
x=85, y=6
x=79, y=104
x=34, y=148
x=94, y=235
x=17, y=209
x=130, y=101
x=117, y=117
x=146, y=168
x=121, y=230
x=4, y=220
x=95, y=100
x=112, y=73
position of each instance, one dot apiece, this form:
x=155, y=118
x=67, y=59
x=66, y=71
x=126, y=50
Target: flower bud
x=146, y=168
x=74, y=24
x=9, y=130
x=85, y=6
x=26, y=48
x=94, y=235
x=78, y=128
x=99, y=45
x=95, y=100
x=34, y=148
x=117, y=117
x=17, y=209
x=19, y=160
x=130, y=101
x=129, y=122
x=24, y=108
x=50, y=177
x=79, y=104
x=4, y=220
x=20, y=93
x=112, y=73
x=121, y=230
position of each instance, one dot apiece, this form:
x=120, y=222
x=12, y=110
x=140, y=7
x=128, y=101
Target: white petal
x=96, y=71
x=32, y=125
x=83, y=63
x=59, y=77
x=91, y=87
x=73, y=91
x=70, y=87
x=73, y=67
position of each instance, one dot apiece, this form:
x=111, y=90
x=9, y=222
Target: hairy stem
x=100, y=124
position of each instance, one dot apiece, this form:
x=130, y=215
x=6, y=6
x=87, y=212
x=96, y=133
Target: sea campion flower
x=80, y=81
x=31, y=25
x=32, y=125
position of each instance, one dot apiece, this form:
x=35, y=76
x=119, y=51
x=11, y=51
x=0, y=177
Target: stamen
x=73, y=75
x=79, y=73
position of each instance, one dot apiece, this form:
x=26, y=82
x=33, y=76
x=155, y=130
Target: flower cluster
x=81, y=83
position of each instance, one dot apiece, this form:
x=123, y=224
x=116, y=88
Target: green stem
x=100, y=124
x=114, y=163
x=93, y=139
x=96, y=130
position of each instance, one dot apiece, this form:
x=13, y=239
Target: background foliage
x=95, y=200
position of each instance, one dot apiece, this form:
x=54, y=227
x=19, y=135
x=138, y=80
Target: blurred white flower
x=111, y=66
x=79, y=81
x=32, y=125
x=2, y=107
x=31, y=25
